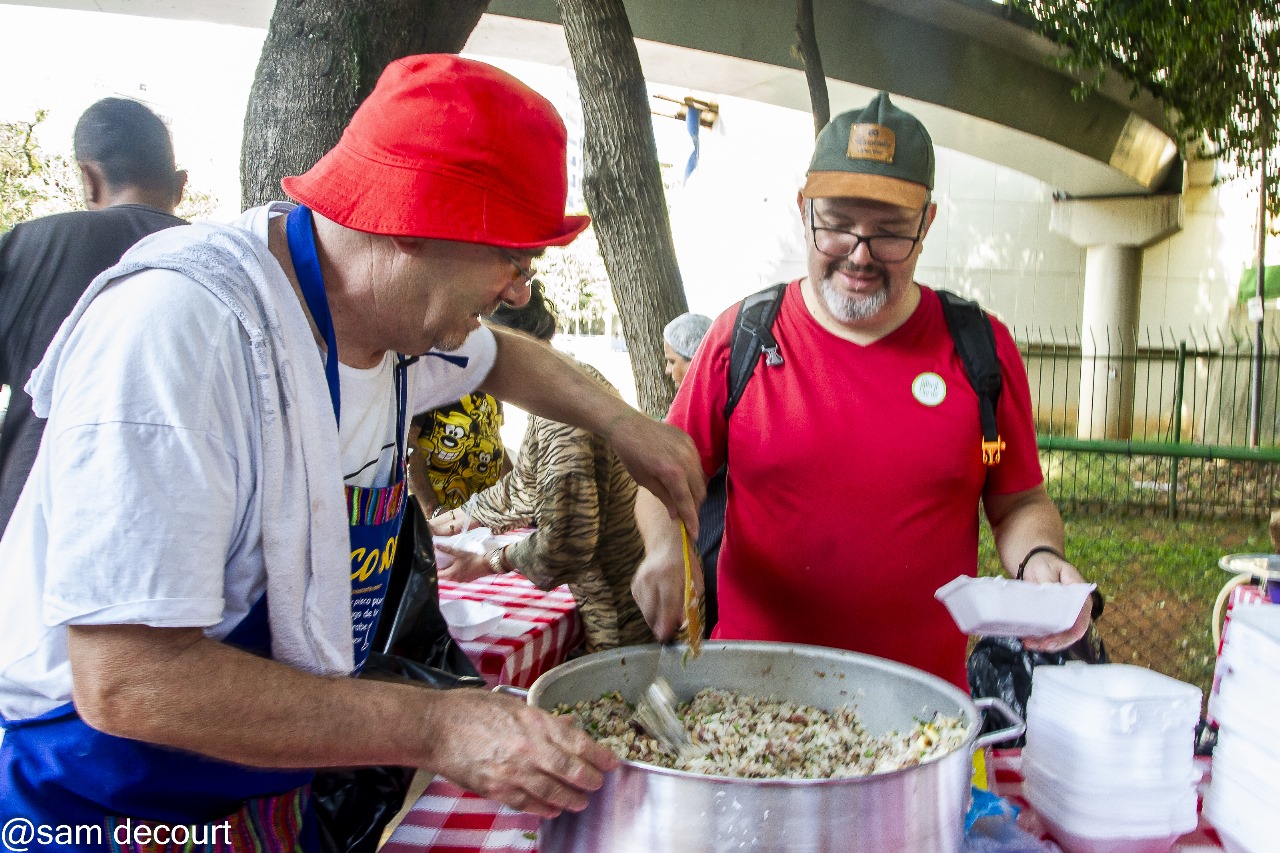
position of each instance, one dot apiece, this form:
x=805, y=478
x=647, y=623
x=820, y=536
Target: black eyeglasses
x=885, y=248
x=526, y=273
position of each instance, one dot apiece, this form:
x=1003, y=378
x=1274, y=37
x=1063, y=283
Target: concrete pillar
x=1108, y=345
x=1114, y=232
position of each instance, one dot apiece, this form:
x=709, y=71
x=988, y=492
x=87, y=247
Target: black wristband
x=1039, y=549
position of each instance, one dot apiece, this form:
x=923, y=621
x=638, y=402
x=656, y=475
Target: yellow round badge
x=929, y=388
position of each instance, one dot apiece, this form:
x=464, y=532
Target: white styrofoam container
x=1247, y=705
x=470, y=619
x=1176, y=819
x=1077, y=842
x=1116, y=800
x=1111, y=699
x=472, y=541
x=1239, y=760
x=477, y=540
x=1086, y=766
x=1244, y=819
x=1264, y=620
x=1001, y=607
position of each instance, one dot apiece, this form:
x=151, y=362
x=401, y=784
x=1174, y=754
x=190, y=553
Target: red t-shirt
x=854, y=482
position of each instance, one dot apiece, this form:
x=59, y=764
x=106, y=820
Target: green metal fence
x=1159, y=425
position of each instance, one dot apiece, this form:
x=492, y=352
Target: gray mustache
x=859, y=268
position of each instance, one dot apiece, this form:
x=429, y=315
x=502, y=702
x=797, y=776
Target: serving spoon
x=656, y=710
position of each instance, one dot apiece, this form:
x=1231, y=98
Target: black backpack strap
x=752, y=336
x=976, y=345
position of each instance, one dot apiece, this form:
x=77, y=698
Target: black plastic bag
x=353, y=807
x=412, y=644
x=1000, y=667
x=412, y=625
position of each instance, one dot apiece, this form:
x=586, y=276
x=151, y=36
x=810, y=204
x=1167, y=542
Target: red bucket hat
x=452, y=149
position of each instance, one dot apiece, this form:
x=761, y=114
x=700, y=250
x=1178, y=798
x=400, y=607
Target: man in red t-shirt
x=855, y=470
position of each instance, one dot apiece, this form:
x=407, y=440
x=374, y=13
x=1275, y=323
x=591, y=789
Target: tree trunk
x=807, y=47
x=623, y=187
x=319, y=61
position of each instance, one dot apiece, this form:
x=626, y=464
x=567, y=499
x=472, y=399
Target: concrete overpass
x=978, y=79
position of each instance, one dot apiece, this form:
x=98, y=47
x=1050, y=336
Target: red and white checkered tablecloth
x=447, y=819
x=537, y=632
x=450, y=820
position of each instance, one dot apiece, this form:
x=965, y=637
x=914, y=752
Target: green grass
x=1160, y=578
x=1117, y=483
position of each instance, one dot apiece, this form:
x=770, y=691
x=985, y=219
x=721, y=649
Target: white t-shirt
x=142, y=506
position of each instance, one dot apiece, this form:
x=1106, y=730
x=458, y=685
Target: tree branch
x=811, y=58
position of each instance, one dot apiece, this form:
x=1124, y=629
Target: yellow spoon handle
x=692, y=606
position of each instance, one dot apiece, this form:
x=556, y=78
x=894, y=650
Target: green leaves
x=1214, y=64
x=32, y=183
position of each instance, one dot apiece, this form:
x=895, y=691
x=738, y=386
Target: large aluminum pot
x=646, y=809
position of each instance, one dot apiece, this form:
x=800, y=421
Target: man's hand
x=524, y=758
x=1050, y=568
x=658, y=585
x=543, y=382
x=664, y=460
x=1027, y=520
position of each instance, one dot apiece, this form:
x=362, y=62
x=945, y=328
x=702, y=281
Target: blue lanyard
x=306, y=264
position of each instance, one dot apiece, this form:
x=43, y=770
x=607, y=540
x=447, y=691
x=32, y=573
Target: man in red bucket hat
x=199, y=559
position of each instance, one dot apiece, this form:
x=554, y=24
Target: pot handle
x=519, y=692
x=1015, y=729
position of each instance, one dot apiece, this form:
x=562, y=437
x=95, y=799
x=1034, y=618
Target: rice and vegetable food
x=751, y=738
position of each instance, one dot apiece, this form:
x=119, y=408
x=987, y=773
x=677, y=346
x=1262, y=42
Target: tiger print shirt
x=568, y=485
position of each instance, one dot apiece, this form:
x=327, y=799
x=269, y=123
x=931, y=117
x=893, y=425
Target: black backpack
x=970, y=330
x=753, y=337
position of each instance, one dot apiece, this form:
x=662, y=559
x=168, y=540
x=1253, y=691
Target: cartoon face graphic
x=462, y=448
x=482, y=460
x=449, y=441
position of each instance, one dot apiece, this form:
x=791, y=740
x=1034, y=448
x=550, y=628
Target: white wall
x=735, y=221
x=737, y=230
x=992, y=241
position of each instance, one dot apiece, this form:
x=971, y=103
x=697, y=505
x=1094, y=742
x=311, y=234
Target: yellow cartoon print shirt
x=462, y=446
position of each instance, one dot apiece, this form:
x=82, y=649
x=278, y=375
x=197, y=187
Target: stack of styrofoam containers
x=1110, y=761
x=1241, y=801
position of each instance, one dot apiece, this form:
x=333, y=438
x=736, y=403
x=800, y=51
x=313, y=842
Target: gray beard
x=853, y=309
x=450, y=342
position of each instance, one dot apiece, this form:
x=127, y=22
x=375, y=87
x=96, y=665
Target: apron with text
x=80, y=789
x=374, y=513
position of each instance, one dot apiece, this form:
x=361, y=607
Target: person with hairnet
x=680, y=339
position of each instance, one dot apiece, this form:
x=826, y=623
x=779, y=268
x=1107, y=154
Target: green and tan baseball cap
x=878, y=152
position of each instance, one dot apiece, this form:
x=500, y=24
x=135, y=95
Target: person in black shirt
x=131, y=187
